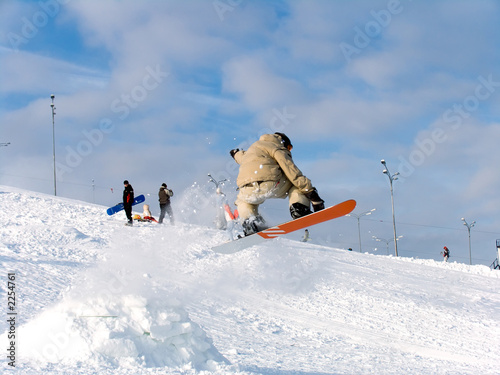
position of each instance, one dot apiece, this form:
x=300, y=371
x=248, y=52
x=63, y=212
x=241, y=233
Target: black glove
x=233, y=152
x=317, y=203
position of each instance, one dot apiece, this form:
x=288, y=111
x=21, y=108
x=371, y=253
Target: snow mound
x=97, y=297
x=126, y=330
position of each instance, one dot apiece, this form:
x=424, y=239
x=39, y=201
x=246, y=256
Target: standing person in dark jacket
x=164, y=197
x=128, y=199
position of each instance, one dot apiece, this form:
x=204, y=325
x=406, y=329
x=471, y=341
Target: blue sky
x=160, y=91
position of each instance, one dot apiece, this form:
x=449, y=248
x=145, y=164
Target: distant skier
x=445, y=254
x=164, y=197
x=268, y=171
x=128, y=199
x=306, y=237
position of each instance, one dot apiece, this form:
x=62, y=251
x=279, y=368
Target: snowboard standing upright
x=113, y=210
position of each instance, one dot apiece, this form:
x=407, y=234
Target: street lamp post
x=220, y=218
x=359, y=226
x=469, y=226
x=391, y=179
x=217, y=183
x=54, y=141
x=386, y=241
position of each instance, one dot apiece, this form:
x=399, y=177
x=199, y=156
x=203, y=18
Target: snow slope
x=96, y=297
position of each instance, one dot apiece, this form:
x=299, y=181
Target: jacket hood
x=273, y=138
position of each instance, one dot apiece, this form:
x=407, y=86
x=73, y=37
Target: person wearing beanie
x=267, y=170
x=445, y=253
x=128, y=200
x=164, y=197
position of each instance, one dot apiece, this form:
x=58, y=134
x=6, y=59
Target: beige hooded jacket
x=268, y=160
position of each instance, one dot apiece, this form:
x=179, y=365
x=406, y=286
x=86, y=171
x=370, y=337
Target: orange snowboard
x=329, y=213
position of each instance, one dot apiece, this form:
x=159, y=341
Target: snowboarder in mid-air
x=128, y=200
x=267, y=170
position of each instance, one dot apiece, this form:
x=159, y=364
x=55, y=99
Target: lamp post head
x=385, y=171
x=382, y=161
x=52, y=96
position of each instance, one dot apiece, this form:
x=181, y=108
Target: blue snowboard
x=113, y=210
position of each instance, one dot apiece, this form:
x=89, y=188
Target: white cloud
x=258, y=85
x=29, y=72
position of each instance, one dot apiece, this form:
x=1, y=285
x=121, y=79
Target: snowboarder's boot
x=253, y=225
x=298, y=210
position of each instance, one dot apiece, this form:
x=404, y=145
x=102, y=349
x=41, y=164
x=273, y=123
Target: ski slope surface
x=93, y=296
